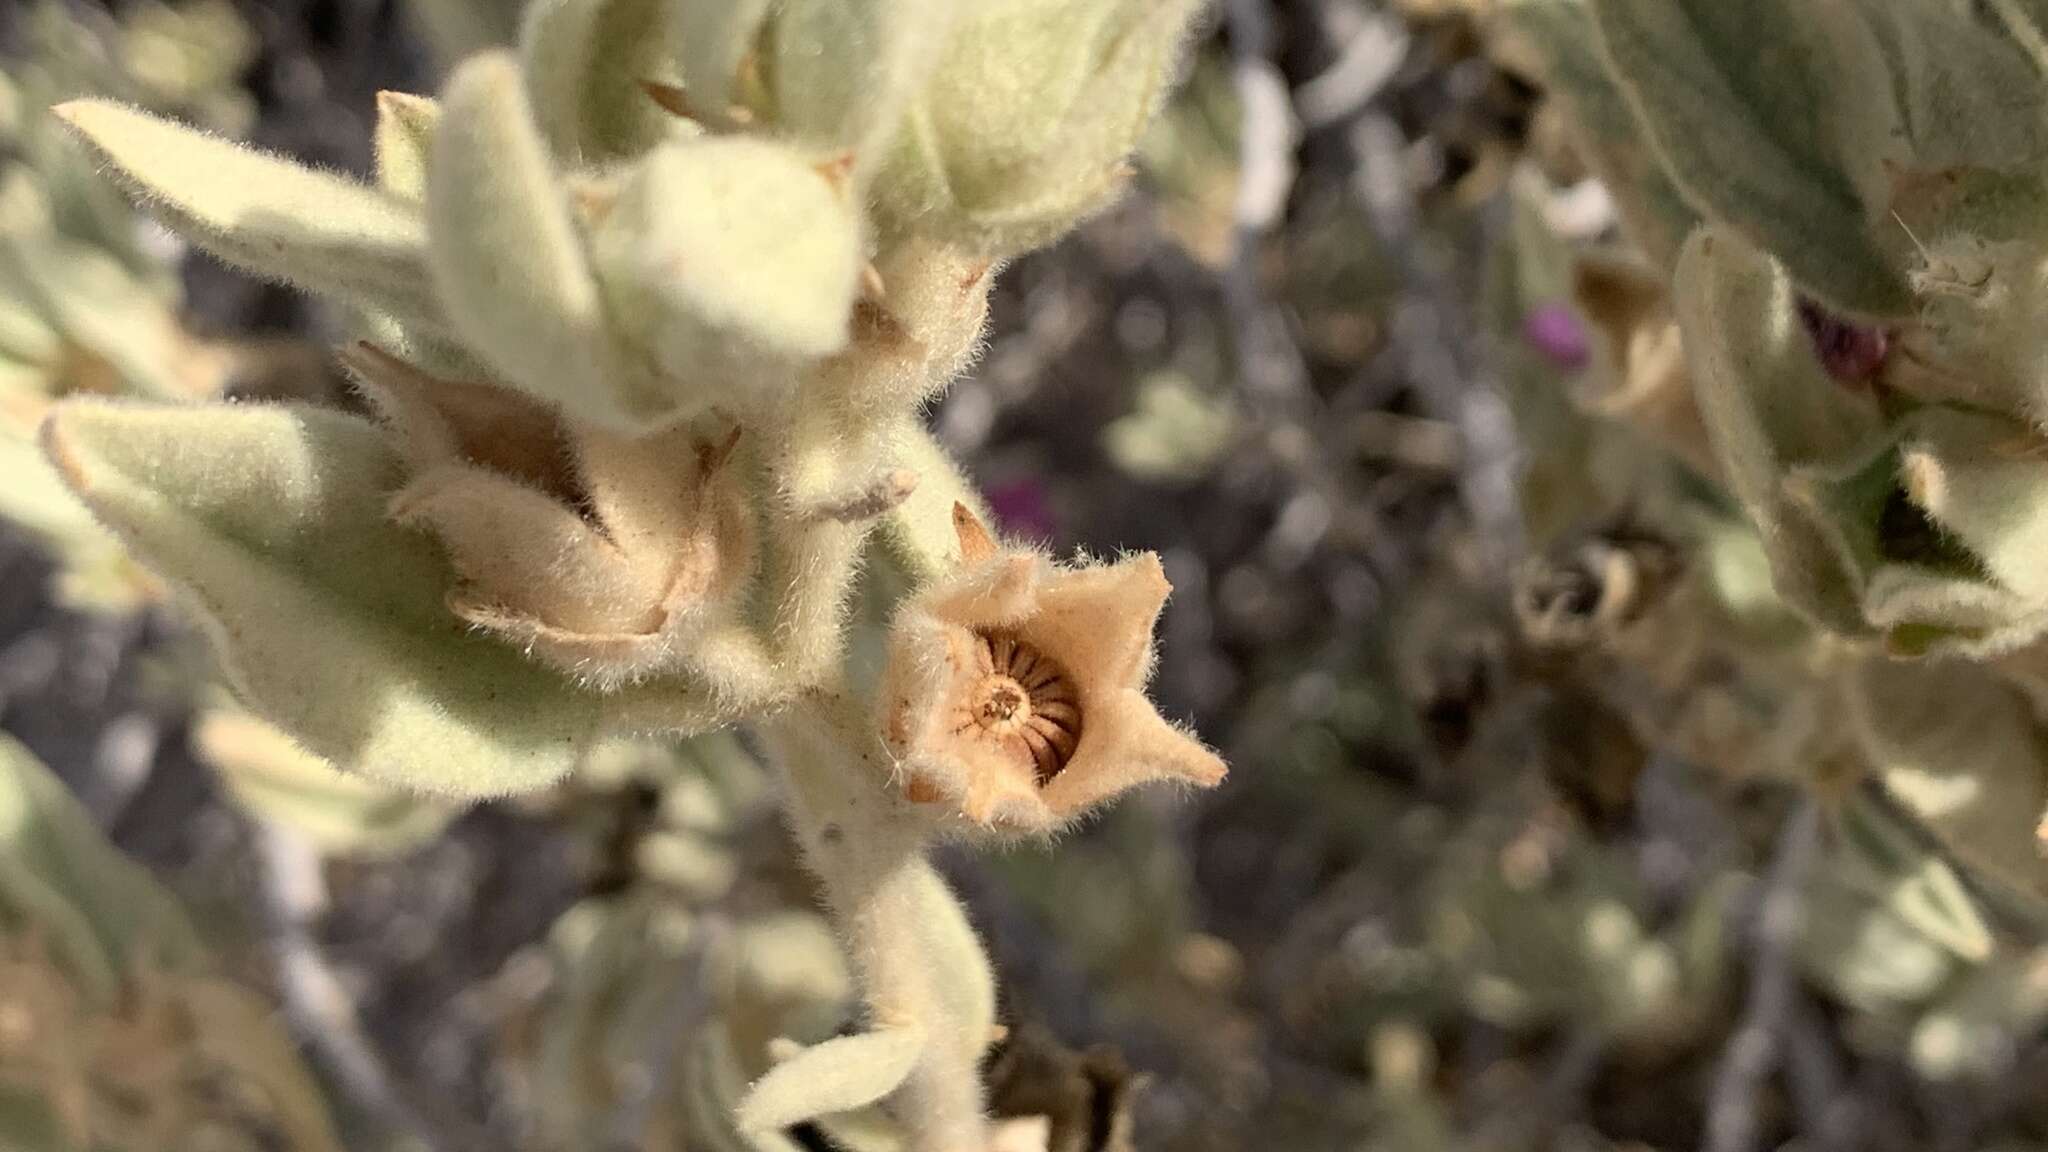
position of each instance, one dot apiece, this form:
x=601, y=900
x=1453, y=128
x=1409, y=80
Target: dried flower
x=601, y=553
x=1015, y=687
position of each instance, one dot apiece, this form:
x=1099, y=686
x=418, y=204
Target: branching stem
x=917, y=958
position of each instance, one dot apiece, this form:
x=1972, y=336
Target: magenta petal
x=1850, y=353
x=1556, y=332
x=1022, y=508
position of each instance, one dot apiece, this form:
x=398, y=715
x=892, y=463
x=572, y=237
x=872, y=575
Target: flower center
x=1026, y=702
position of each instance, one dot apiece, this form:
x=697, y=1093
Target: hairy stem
x=916, y=956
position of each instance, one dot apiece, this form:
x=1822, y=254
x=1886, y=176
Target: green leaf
x=1968, y=94
x=101, y=912
x=711, y=41
x=846, y=69
x=328, y=618
x=839, y=1075
x=730, y=260
x=1776, y=118
x=1562, y=36
x=1959, y=750
x=508, y=260
x=273, y=779
x=1024, y=125
x=585, y=62
x=1770, y=409
x=275, y=218
x=404, y=138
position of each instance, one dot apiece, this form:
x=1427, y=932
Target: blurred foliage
x=115, y=1031
x=89, y=294
x=1494, y=876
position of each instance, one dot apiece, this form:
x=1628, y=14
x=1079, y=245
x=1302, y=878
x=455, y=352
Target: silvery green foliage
x=650, y=305
x=348, y=816
x=1857, y=306
x=1853, y=300
x=87, y=303
x=120, y=1029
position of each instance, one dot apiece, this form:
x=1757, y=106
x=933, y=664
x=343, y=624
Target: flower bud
x=726, y=259
x=1024, y=125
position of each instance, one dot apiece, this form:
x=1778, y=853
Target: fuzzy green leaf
x=100, y=912
x=728, y=258
x=1961, y=751
x=507, y=258
x=1770, y=409
x=1025, y=123
x=1562, y=36
x=585, y=62
x=271, y=520
x=405, y=136
x=269, y=776
x=711, y=41
x=275, y=218
x=836, y=1076
x=1775, y=117
x=845, y=69
x=1967, y=93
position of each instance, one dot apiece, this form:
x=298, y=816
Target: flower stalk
x=647, y=334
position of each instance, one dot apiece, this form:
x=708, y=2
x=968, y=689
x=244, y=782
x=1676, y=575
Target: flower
x=601, y=553
x=1014, y=687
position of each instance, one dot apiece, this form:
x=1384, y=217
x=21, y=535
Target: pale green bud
x=832, y=74
x=1024, y=126
x=729, y=262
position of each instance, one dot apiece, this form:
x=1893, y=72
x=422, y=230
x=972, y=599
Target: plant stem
x=913, y=951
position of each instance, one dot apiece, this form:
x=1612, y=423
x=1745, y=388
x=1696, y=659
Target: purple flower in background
x=1851, y=353
x=1022, y=508
x=1555, y=331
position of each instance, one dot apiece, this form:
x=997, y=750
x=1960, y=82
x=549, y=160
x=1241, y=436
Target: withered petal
x=523, y=550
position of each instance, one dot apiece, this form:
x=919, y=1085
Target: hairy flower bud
x=1025, y=124
x=727, y=262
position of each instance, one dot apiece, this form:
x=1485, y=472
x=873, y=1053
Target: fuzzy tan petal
x=995, y=594
x=1127, y=744
x=1012, y=692
x=1102, y=618
x=528, y=554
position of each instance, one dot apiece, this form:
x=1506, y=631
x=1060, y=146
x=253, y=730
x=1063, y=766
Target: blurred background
x=1458, y=892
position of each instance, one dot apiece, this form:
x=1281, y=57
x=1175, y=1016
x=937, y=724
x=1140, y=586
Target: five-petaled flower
x=1015, y=687
x=603, y=554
